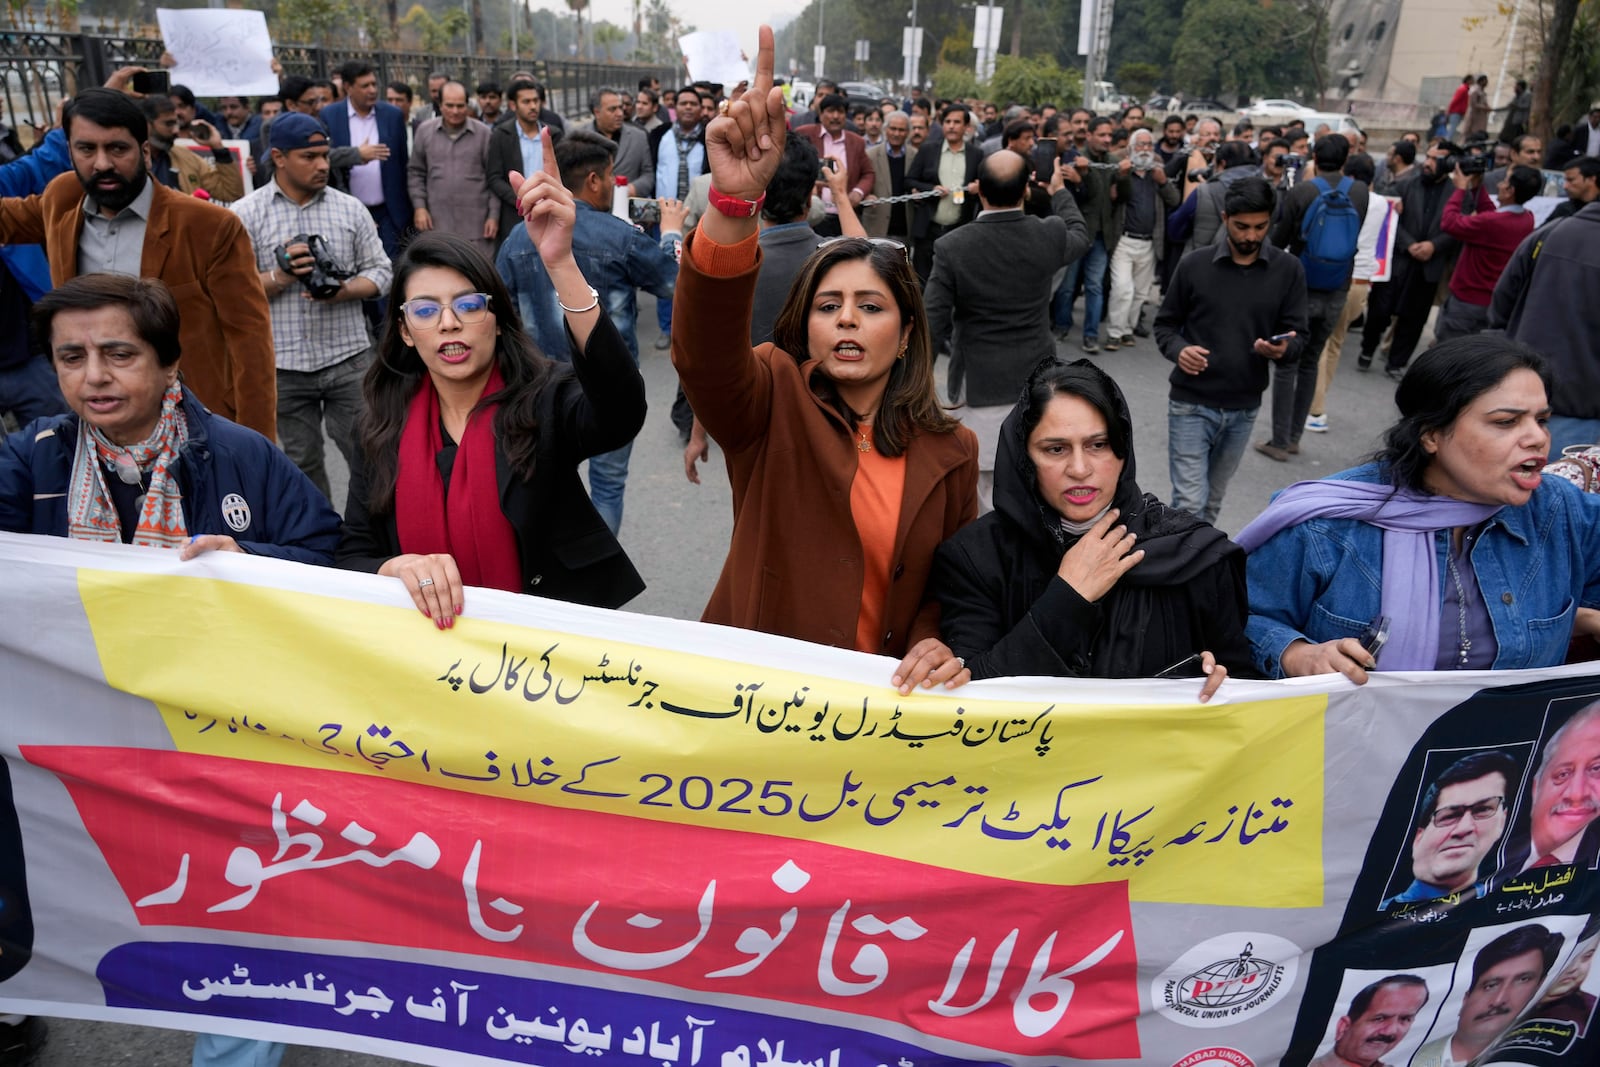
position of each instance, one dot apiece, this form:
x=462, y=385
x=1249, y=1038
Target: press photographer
x=318, y=256
x=1488, y=237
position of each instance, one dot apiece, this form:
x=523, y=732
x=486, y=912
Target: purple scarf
x=1408, y=520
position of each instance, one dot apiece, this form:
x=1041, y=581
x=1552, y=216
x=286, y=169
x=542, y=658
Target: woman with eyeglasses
x=846, y=471
x=471, y=439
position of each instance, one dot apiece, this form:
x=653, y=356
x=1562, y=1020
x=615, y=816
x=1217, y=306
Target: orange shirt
x=876, y=491
x=875, y=496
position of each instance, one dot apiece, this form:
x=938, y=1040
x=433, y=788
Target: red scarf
x=469, y=525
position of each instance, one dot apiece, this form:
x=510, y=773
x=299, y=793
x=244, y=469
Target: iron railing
x=39, y=70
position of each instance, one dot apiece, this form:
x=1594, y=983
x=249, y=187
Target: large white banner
x=244, y=796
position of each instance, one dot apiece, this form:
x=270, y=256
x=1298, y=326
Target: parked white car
x=1272, y=109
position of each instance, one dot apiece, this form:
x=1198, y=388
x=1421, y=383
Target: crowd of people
x=449, y=293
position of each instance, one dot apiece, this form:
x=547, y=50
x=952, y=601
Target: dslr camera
x=326, y=277
x=1469, y=165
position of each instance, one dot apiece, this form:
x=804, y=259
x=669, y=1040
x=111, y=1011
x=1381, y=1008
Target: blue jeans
x=30, y=391
x=1093, y=268
x=1565, y=430
x=215, y=1050
x=1204, y=446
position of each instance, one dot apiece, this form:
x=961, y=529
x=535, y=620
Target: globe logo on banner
x=1227, y=978
x=1227, y=982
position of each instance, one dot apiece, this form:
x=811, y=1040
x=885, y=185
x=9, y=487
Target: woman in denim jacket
x=1452, y=516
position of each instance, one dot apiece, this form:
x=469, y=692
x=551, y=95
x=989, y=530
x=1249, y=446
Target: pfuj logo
x=1226, y=978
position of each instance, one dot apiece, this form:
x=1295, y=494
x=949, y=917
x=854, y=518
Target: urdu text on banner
x=251, y=797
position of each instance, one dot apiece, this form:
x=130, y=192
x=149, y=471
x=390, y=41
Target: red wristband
x=732, y=206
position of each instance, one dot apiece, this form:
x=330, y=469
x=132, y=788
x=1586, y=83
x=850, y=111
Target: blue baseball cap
x=292, y=130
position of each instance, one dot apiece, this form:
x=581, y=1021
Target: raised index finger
x=547, y=153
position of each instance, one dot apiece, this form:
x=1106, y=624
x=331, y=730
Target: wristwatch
x=732, y=206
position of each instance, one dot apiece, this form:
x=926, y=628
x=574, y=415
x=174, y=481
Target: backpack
x=1330, y=229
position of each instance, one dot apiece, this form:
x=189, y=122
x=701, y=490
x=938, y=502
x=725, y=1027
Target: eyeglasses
x=883, y=242
x=1485, y=809
x=424, y=314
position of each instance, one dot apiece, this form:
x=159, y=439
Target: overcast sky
x=707, y=15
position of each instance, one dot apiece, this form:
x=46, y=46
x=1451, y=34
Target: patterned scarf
x=91, y=513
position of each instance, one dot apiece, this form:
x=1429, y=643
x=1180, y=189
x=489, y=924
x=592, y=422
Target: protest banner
x=714, y=56
x=245, y=796
x=1385, y=244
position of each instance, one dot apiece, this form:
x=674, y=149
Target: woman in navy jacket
x=139, y=460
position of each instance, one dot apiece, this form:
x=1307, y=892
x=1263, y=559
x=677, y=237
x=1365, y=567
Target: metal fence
x=38, y=70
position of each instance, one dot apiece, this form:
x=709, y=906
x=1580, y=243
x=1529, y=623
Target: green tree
x=436, y=33
x=1035, y=80
x=954, y=82
x=310, y=20
x=1138, y=79
x=608, y=36
x=1238, y=48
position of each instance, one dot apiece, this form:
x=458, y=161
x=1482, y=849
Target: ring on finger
x=961, y=663
x=722, y=108
x=424, y=583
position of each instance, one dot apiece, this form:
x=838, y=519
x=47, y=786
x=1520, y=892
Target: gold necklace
x=864, y=442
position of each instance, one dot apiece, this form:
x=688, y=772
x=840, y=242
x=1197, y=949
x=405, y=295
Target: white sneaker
x=1317, y=424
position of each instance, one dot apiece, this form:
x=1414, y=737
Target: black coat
x=1008, y=613
x=594, y=405
x=922, y=175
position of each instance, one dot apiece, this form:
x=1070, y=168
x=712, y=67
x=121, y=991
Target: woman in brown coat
x=846, y=472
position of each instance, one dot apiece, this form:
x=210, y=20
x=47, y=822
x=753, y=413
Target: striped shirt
x=310, y=335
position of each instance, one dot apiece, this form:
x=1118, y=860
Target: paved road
x=677, y=533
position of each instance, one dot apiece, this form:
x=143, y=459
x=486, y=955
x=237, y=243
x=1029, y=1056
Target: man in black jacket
x=514, y=146
x=1294, y=380
x=990, y=283
x=950, y=166
x=1423, y=254
x=1233, y=308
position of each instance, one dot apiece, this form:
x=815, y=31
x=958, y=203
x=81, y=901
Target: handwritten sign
x=220, y=52
x=555, y=834
x=714, y=56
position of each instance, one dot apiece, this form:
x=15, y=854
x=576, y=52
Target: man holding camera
x=1488, y=238
x=318, y=255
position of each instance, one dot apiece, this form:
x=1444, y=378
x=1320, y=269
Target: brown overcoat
x=795, y=563
x=204, y=255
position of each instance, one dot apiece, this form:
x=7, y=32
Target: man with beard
x=1144, y=195
x=1506, y=973
x=109, y=216
x=1379, y=1018
x=1234, y=308
x=182, y=169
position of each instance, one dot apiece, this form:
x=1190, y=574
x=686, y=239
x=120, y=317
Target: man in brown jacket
x=110, y=216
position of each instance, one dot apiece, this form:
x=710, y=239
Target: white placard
x=714, y=56
x=219, y=52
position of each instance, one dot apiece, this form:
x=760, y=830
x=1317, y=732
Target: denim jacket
x=1536, y=565
x=616, y=257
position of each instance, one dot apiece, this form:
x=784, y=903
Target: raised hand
x=546, y=206
x=744, y=144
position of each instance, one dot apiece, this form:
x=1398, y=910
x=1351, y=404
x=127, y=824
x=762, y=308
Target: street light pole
x=816, y=75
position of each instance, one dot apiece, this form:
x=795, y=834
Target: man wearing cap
x=110, y=216
x=321, y=339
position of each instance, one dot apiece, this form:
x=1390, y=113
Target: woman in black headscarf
x=1077, y=572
